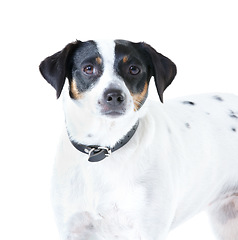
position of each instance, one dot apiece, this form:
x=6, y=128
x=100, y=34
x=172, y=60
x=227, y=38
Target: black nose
x=114, y=97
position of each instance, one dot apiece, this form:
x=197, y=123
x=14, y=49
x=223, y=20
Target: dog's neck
x=84, y=128
x=97, y=153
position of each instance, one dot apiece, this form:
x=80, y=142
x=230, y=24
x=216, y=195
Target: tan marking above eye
x=99, y=60
x=125, y=59
x=74, y=90
x=139, y=97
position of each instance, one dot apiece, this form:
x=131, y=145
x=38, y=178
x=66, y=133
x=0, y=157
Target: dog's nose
x=114, y=97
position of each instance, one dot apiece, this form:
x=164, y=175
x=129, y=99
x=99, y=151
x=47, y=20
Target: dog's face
x=110, y=77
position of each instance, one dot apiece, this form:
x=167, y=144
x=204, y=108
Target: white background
x=199, y=36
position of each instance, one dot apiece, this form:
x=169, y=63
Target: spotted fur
x=183, y=157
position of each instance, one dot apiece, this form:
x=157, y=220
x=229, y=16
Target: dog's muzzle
x=113, y=103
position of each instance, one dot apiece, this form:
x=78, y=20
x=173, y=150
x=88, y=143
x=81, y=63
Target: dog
x=129, y=168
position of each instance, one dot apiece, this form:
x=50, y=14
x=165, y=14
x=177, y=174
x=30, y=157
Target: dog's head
x=113, y=75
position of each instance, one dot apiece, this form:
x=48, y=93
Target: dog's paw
x=81, y=227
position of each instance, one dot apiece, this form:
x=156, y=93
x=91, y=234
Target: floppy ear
x=54, y=68
x=163, y=69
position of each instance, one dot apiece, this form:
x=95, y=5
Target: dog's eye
x=133, y=70
x=89, y=69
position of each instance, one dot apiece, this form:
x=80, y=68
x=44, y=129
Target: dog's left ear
x=54, y=68
x=163, y=69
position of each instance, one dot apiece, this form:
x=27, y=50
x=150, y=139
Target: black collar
x=97, y=153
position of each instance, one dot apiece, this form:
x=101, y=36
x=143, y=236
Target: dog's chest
x=105, y=191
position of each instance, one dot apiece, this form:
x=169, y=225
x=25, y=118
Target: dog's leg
x=81, y=226
x=224, y=218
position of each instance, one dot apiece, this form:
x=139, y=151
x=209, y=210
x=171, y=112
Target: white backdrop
x=199, y=36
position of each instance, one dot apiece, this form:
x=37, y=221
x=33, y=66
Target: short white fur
x=182, y=159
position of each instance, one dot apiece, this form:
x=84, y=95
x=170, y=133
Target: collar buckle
x=108, y=150
x=97, y=153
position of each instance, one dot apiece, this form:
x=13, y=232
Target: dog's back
x=206, y=131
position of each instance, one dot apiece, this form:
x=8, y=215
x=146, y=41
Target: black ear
x=54, y=68
x=163, y=69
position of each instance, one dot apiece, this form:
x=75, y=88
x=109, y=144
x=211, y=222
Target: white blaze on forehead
x=107, y=50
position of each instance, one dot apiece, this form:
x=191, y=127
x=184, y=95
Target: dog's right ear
x=54, y=68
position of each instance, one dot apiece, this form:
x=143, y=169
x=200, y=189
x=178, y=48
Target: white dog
x=131, y=169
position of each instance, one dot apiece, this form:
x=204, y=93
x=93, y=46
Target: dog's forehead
x=86, y=50
x=108, y=50
x=125, y=47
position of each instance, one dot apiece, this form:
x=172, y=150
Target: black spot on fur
x=90, y=226
x=233, y=115
x=233, y=129
x=189, y=103
x=187, y=125
x=218, y=98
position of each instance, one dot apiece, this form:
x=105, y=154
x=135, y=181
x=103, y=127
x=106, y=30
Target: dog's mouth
x=113, y=113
